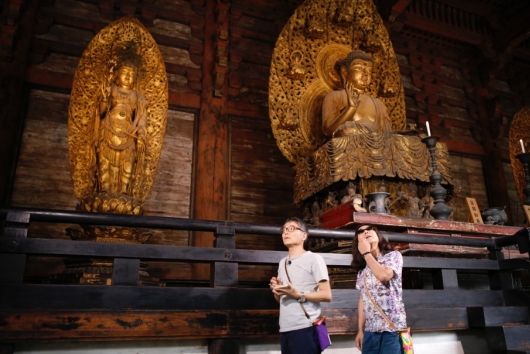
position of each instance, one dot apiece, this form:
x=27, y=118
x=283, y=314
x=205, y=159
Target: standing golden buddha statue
x=117, y=119
x=120, y=140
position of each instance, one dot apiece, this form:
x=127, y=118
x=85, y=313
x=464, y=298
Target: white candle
x=522, y=145
x=429, y=130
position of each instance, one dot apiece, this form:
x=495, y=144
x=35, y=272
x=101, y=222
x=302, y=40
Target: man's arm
x=322, y=295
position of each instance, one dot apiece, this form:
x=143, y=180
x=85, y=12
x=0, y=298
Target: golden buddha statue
x=120, y=140
x=117, y=119
x=362, y=142
x=350, y=110
x=344, y=119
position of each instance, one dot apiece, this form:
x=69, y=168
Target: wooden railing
x=224, y=311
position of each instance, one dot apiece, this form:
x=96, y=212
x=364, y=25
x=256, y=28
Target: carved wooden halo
x=310, y=113
x=325, y=64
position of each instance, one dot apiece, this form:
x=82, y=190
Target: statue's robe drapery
x=365, y=151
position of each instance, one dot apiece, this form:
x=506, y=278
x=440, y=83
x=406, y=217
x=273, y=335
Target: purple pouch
x=323, y=336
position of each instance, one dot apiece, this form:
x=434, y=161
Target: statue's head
x=129, y=63
x=356, y=68
x=126, y=75
x=351, y=189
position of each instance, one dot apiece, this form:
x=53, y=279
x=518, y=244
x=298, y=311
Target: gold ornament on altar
x=344, y=118
x=117, y=119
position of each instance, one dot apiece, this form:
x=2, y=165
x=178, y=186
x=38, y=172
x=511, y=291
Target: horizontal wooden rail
x=24, y=297
x=198, y=254
x=84, y=218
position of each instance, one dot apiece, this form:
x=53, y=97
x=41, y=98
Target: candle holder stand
x=525, y=160
x=440, y=211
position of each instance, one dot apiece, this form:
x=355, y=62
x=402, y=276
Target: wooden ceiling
x=500, y=29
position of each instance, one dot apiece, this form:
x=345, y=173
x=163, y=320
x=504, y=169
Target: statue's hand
x=354, y=95
x=141, y=146
x=105, y=91
x=142, y=141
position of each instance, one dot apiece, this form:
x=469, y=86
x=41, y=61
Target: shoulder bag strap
x=393, y=326
x=289, y=278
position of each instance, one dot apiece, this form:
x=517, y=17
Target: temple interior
x=152, y=149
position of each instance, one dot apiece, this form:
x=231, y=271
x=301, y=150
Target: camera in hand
x=282, y=286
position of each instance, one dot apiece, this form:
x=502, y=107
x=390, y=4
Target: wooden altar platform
x=344, y=216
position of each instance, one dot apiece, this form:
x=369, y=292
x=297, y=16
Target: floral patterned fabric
x=388, y=296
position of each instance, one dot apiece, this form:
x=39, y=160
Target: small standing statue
x=316, y=212
x=353, y=197
x=427, y=202
x=414, y=204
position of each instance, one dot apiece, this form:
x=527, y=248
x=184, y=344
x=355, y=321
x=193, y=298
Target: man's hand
x=289, y=291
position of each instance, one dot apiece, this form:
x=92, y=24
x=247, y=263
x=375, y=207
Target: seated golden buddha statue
x=340, y=117
x=362, y=143
x=349, y=110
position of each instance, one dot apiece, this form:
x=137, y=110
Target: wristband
x=364, y=254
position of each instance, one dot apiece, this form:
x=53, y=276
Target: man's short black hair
x=301, y=223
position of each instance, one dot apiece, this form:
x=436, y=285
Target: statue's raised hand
x=354, y=95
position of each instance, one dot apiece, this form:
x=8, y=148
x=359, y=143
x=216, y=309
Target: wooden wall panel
x=43, y=172
x=261, y=179
x=469, y=182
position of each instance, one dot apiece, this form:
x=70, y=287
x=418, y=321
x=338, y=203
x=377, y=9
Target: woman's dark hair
x=301, y=224
x=358, y=261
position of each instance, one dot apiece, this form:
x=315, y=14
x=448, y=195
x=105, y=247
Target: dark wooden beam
x=95, y=325
x=442, y=29
x=476, y=7
x=514, y=32
x=15, y=40
x=398, y=8
x=212, y=155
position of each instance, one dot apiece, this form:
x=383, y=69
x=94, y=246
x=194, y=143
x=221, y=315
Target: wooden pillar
x=225, y=274
x=445, y=279
x=16, y=31
x=211, y=173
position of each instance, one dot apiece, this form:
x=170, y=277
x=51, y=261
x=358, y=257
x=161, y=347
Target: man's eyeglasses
x=290, y=229
x=360, y=231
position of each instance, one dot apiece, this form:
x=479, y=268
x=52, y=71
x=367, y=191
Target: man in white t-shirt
x=305, y=276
